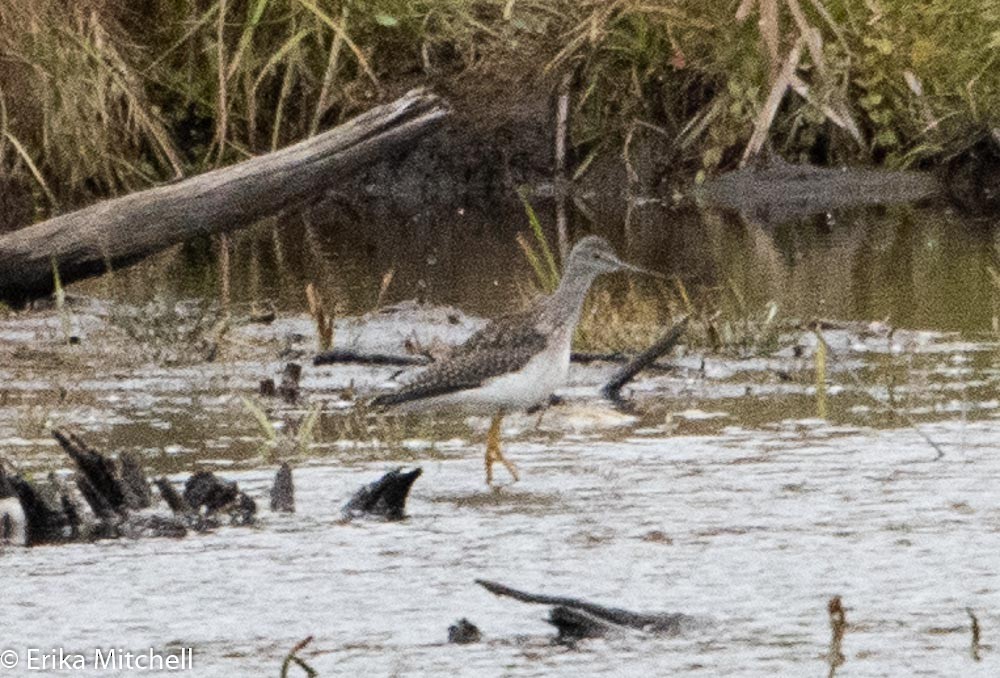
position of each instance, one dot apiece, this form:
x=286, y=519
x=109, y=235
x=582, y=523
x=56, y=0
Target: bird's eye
x=595, y=255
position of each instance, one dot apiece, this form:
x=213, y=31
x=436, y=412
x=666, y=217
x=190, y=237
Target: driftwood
x=612, y=390
x=577, y=619
x=113, y=491
x=117, y=233
x=118, y=496
x=385, y=498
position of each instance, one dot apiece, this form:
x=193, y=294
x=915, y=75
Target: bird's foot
x=493, y=453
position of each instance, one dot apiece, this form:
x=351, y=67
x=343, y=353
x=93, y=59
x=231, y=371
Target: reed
x=103, y=97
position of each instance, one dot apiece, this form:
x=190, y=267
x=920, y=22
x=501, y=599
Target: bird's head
x=593, y=255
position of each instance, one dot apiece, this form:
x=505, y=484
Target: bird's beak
x=625, y=266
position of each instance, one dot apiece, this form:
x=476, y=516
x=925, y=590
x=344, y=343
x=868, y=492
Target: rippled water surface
x=722, y=494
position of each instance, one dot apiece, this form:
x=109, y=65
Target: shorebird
x=516, y=361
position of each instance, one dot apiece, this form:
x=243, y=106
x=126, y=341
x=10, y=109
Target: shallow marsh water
x=723, y=495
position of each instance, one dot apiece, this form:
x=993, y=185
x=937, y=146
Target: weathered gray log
x=117, y=233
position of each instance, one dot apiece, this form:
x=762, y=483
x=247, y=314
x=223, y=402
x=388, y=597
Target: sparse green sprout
x=295, y=439
x=292, y=658
x=820, y=361
x=542, y=261
x=264, y=422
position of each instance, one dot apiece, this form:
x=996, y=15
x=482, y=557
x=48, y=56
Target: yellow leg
x=493, y=453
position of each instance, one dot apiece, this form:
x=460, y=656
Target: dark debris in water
x=464, y=632
x=577, y=619
x=119, y=500
x=385, y=498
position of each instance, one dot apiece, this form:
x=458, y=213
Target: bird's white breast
x=531, y=385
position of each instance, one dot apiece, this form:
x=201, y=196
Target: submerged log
x=99, y=482
x=464, y=632
x=573, y=624
x=579, y=618
x=117, y=233
x=612, y=390
x=289, y=388
x=774, y=191
x=283, y=491
x=385, y=498
x=205, y=490
x=341, y=355
x=118, y=496
x=43, y=523
x=175, y=502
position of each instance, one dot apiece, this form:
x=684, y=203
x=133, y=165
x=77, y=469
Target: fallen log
x=580, y=618
x=117, y=233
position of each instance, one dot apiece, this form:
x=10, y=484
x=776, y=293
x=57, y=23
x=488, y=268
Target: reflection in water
x=768, y=511
x=918, y=267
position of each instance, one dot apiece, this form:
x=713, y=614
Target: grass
x=105, y=97
x=628, y=318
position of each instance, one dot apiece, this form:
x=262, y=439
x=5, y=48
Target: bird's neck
x=567, y=301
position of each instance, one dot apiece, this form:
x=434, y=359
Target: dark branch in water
x=103, y=490
x=588, y=615
x=283, y=491
x=206, y=490
x=573, y=624
x=464, y=632
x=342, y=355
x=612, y=390
x=347, y=356
x=975, y=647
x=838, y=625
x=44, y=524
x=174, y=500
x=385, y=498
x=116, y=493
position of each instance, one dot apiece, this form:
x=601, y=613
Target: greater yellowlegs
x=516, y=361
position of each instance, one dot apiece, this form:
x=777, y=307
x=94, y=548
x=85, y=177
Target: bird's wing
x=497, y=349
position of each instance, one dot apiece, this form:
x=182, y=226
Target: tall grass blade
x=550, y=273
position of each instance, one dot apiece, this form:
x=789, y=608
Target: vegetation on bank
x=101, y=97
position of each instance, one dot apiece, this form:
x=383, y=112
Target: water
x=723, y=495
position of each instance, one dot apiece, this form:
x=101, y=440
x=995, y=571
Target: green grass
x=107, y=97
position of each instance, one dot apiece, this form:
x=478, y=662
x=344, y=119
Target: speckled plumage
x=517, y=360
x=505, y=345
